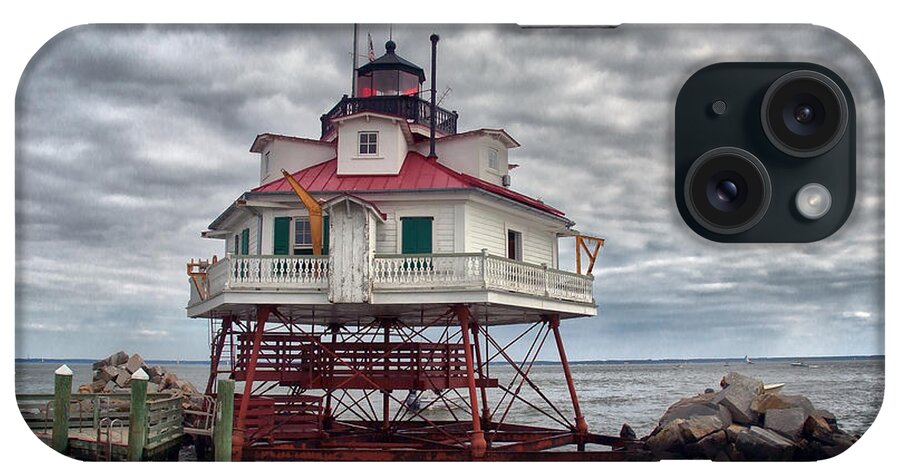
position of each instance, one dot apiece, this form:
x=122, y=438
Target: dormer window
x=368, y=143
x=493, y=160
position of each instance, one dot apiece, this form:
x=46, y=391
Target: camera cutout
x=727, y=190
x=804, y=113
x=747, y=175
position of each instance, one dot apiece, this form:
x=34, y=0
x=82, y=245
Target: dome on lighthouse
x=389, y=75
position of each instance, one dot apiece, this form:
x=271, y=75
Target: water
x=612, y=394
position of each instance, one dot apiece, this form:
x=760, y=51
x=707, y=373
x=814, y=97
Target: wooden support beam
x=581, y=245
x=314, y=209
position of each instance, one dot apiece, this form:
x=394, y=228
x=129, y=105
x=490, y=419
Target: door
x=417, y=235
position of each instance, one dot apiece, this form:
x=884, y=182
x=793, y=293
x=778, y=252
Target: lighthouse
x=361, y=279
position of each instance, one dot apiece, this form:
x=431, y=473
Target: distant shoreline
x=729, y=360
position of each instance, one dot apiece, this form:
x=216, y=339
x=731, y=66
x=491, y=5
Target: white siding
x=469, y=155
x=291, y=156
x=251, y=223
x=392, y=147
x=388, y=234
x=487, y=229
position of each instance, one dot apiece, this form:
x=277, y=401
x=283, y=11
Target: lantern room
x=389, y=75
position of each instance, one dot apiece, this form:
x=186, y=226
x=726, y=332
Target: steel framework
x=383, y=389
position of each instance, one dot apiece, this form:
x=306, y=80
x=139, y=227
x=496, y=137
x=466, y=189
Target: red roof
x=417, y=173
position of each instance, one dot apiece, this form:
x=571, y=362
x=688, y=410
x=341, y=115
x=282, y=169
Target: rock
x=734, y=378
x=787, y=422
x=134, y=363
x=818, y=428
x=100, y=364
x=154, y=371
x=709, y=390
x=84, y=389
x=710, y=446
x=110, y=386
x=97, y=386
x=186, y=387
x=627, y=433
x=733, y=430
x=768, y=401
x=667, y=440
x=118, y=358
x=827, y=416
x=737, y=398
x=759, y=444
x=106, y=373
x=124, y=378
x=168, y=381
x=701, y=415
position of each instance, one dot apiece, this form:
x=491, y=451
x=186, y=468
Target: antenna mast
x=355, y=60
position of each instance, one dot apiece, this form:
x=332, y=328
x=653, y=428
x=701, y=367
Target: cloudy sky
x=131, y=140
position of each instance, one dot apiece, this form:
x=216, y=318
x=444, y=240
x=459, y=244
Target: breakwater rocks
x=745, y=422
x=113, y=375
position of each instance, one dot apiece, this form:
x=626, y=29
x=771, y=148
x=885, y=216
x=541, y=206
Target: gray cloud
x=131, y=139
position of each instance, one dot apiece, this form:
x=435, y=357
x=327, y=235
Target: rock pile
x=113, y=375
x=743, y=422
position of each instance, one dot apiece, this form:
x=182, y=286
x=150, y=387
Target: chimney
x=434, y=41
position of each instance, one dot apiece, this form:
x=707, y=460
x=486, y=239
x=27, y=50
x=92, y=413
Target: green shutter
x=282, y=244
x=416, y=235
x=245, y=241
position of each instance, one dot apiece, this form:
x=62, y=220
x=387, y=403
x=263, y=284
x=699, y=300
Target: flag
x=371, y=49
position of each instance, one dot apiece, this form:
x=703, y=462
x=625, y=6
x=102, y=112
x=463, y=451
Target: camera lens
x=804, y=113
x=727, y=190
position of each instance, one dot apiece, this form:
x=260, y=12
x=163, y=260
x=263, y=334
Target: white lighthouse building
x=402, y=230
x=391, y=220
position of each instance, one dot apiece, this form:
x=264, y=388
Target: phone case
x=446, y=242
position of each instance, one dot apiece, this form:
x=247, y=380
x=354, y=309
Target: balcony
x=409, y=107
x=396, y=280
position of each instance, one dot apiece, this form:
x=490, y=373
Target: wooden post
x=224, y=420
x=137, y=417
x=62, y=393
x=479, y=445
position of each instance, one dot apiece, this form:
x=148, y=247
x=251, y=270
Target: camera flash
x=813, y=201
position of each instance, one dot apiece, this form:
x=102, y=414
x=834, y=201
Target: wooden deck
x=98, y=425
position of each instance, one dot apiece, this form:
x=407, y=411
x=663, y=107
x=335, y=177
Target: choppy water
x=612, y=394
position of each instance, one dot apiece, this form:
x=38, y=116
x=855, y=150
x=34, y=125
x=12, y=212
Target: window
x=368, y=143
x=237, y=244
x=265, y=162
x=493, y=160
x=514, y=245
x=302, y=236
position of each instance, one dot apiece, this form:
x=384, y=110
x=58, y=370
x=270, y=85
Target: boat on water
x=747, y=360
x=803, y=365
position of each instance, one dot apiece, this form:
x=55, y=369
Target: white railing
x=427, y=270
x=400, y=272
x=447, y=271
x=257, y=272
